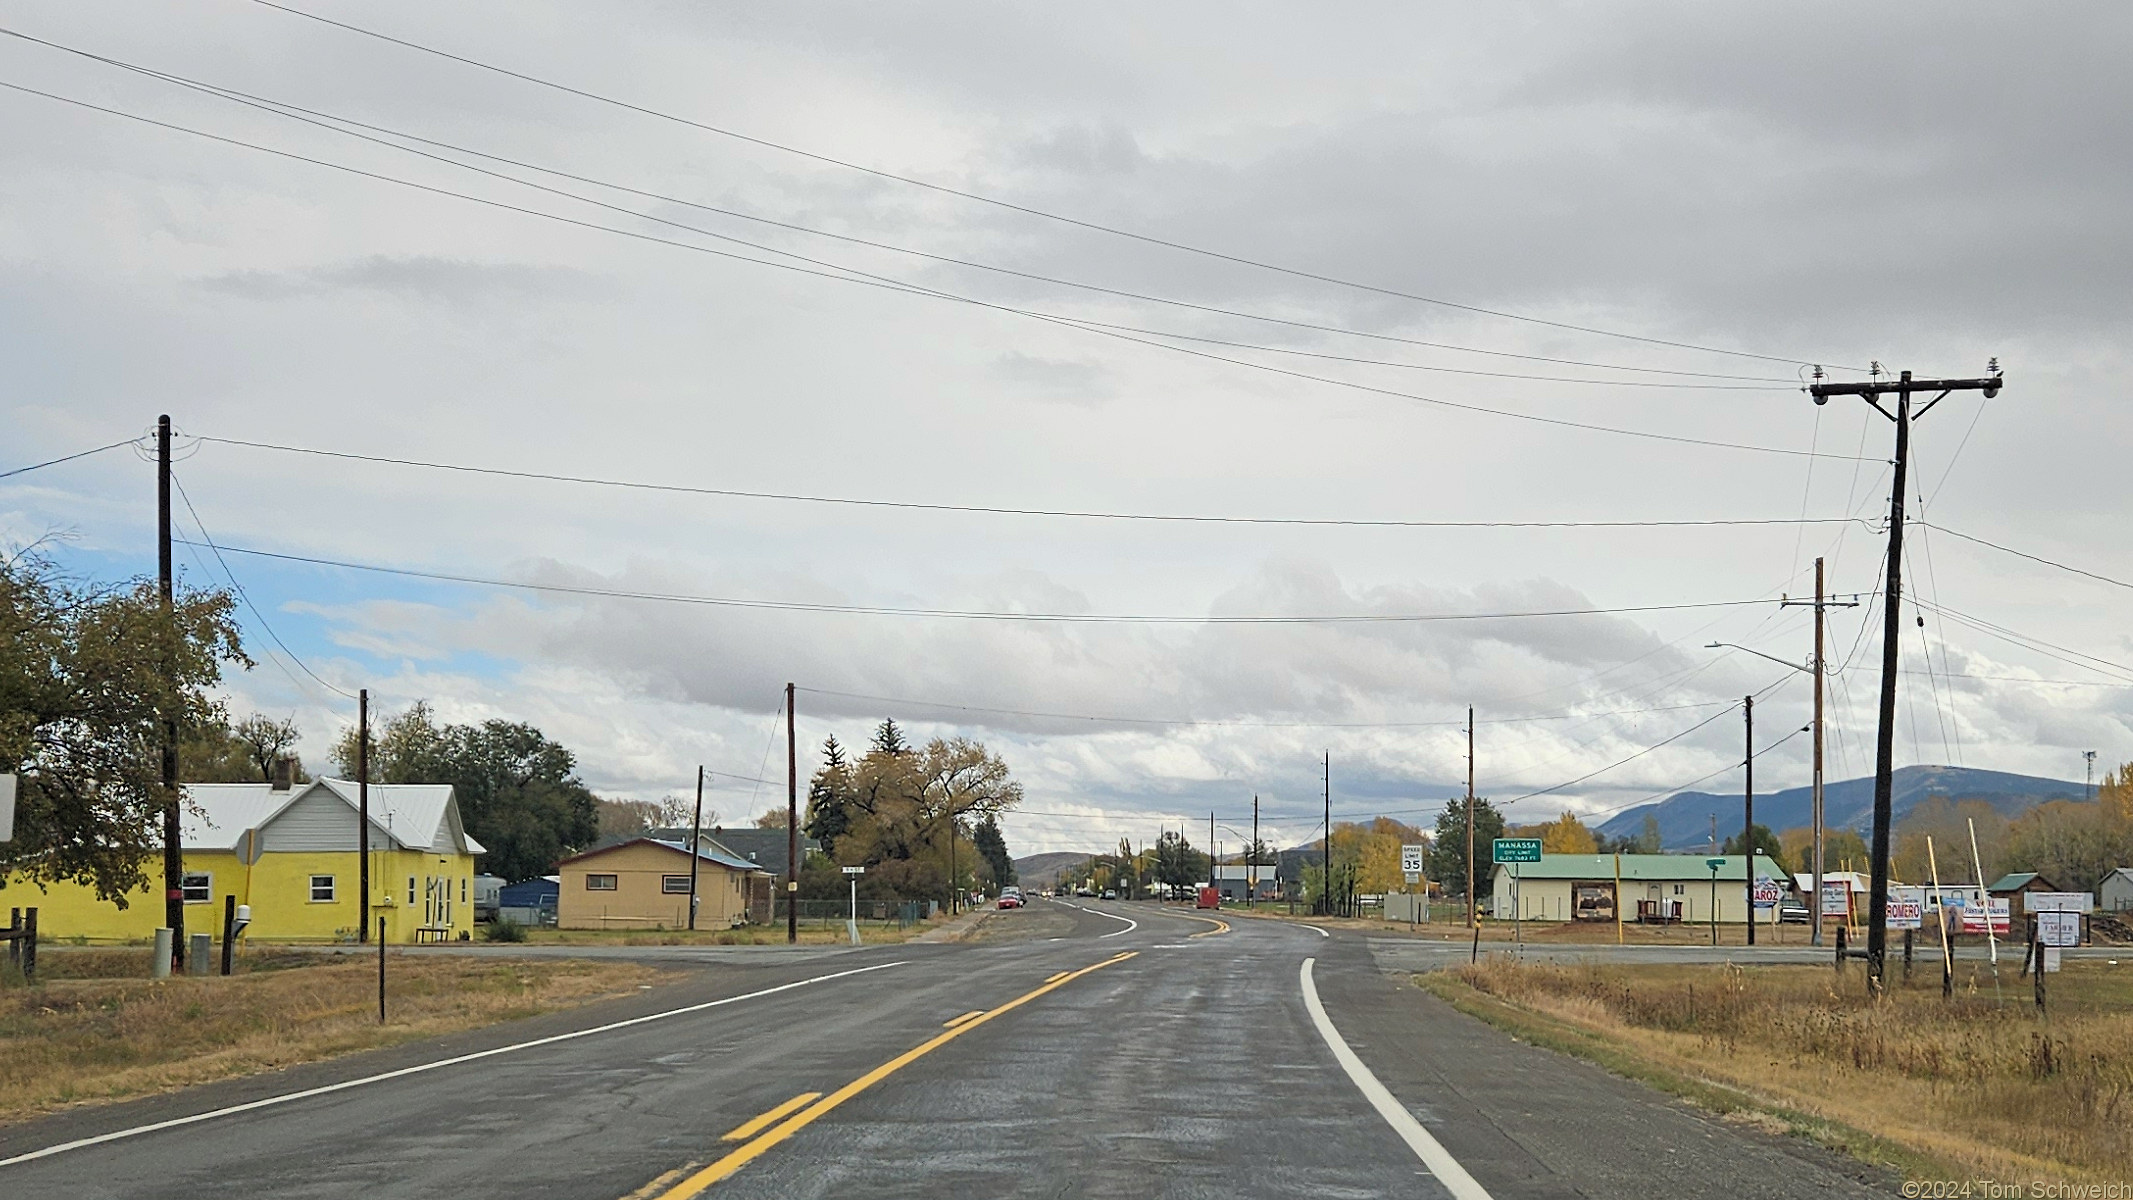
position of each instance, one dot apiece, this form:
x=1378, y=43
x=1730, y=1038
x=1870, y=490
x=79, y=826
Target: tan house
x=643, y=883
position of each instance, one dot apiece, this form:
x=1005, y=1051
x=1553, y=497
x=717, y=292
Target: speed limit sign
x=1411, y=860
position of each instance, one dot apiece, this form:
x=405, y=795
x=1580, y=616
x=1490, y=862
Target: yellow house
x=291, y=854
x=643, y=883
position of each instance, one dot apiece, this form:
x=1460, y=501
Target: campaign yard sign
x=1907, y=908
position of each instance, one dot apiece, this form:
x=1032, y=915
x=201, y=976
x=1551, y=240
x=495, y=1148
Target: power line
x=1009, y=511
x=1030, y=211
x=247, y=596
x=53, y=462
x=347, y=126
x=856, y=277
x=994, y=615
x=1188, y=722
x=2024, y=554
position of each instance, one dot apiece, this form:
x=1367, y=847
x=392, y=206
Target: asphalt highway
x=1067, y=1050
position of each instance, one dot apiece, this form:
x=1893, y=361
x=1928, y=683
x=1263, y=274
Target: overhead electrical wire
x=246, y=596
x=1147, y=239
x=1991, y=545
x=347, y=126
x=866, y=279
x=1010, y=511
x=1193, y=722
x=969, y=614
x=64, y=458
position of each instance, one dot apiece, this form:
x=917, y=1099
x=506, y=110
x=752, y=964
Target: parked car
x=1792, y=912
x=1110, y=894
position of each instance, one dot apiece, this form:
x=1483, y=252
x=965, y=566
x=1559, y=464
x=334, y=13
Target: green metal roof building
x=1581, y=887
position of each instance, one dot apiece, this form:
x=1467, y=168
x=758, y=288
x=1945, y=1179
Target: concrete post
x=160, y=968
x=196, y=959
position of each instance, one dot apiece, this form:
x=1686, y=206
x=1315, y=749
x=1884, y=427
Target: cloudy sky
x=1180, y=226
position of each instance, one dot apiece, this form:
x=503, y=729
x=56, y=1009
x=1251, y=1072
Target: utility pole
x=1877, y=899
x=1211, y=852
x=2089, y=775
x=173, y=844
x=1472, y=922
x=792, y=826
x=1325, y=849
x=363, y=814
x=1251, y=858
x=1747, y=834
x=1822, y=603
x=696, y=833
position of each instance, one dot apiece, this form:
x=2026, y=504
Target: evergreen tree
x=991, y=846
x=1447, y=858
x=829, y=798
x=889, y=739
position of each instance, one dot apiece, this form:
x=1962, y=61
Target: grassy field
x=95, y=1029
x=746, y=935
x=1975, y=1087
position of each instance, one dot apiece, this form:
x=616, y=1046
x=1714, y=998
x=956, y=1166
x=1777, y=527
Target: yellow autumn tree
x=1566, y=835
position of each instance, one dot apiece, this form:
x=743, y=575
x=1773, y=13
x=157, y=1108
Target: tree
x=1949, y=826
x=991, y=845
x=1766, y=842
x=1177, y=864
x=88, y=676
x=771, y=818
x=1565, y=835
x=1648, y=839
x=217, y=752
x=519, y=793
x=829, y=798
x=1447, y=859
x=889, y=739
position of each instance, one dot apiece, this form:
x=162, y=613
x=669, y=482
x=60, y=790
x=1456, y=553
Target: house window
x=197, y=886
x=322, y=889
x=674, y=884
x=1680, y=888
x=462, y=889
x=599, y=883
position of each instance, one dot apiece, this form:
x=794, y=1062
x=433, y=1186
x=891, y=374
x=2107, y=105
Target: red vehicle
x=1209, y=897
x=1010, y=897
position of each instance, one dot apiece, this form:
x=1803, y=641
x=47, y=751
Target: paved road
x=1091, y=1050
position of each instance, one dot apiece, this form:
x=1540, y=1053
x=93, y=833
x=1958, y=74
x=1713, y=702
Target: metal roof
x=415, y=816
x=707, y=850
x=1670, y=868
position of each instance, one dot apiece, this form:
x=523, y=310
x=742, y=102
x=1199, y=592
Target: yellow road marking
x=955, y=1021
x=1219, y=927
x=653, y=1188
x=1056, y=978
x=756, y=1125
x=743, y=1155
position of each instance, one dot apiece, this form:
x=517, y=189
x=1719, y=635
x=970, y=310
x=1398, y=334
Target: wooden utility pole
x=173, y=843
x=696, y=833
x=792, y=826
x=1251, y=858
x=1747, y=835
x=362, y=815
x=1877, y=896
x=1472, y=921
x=1822, y=602
x=1325, y=849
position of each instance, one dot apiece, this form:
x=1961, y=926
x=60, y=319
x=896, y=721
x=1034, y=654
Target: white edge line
x=1440, y=1162
x=344, y=1085
x=1320, y=932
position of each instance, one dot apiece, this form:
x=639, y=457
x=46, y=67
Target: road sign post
x=7, y=808
x=1714, y=864
x=851, y=924
x=1412, y=860
x=1515, y=851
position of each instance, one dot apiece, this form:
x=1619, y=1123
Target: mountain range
x=1685, y=817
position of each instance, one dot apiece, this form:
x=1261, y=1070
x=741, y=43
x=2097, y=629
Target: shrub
x=502, y=930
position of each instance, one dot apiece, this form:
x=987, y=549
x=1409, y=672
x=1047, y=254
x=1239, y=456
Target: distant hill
x=1042, y=870
x=1685, y=817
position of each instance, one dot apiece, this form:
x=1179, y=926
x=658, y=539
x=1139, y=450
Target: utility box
x=1209, y=897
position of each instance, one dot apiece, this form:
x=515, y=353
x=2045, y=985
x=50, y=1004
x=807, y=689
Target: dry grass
x=1974, y=1083
x=78, y=1040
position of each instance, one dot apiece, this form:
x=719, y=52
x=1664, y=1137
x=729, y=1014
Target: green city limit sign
x=1517, y=850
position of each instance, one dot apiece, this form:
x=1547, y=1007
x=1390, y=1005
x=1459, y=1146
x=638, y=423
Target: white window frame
x=332, y=890
x=602, y=881
x=206, y=887
x=667, y=882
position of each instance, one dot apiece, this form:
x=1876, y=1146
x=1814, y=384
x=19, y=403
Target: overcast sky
x=1925, y=187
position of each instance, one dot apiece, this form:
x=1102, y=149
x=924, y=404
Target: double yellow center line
x=782, y=1122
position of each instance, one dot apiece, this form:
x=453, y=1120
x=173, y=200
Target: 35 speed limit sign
x=1411, y=858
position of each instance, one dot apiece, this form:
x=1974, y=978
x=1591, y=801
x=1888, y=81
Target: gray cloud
x=425, y=278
